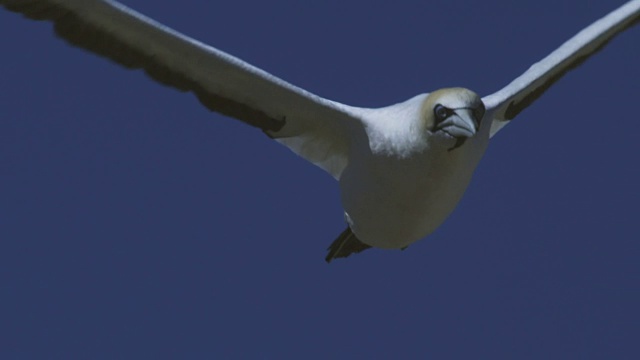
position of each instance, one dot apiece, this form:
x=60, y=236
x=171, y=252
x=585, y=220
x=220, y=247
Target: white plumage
x=400, y=176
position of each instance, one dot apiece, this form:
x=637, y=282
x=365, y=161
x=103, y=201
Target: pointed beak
x=461, y=124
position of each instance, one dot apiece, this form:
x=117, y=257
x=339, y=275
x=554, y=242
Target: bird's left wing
x=313, y=127
x=524, y=90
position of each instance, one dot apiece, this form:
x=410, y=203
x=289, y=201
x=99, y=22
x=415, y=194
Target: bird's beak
x=461, y=124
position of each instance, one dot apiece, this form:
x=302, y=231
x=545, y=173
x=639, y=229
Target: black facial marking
x=478, y=113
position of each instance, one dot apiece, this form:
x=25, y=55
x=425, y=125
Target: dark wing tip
x=515, y=107
x=77, y=31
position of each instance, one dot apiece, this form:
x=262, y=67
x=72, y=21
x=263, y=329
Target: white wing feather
x=525, y=89
x=313, y=127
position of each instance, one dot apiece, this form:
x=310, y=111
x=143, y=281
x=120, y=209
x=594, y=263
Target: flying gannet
x=401, y=169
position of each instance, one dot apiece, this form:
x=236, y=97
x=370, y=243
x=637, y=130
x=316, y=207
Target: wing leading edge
x=525, y=89
x=311, y=126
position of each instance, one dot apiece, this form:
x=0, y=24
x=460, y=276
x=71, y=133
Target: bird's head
x=454, y=113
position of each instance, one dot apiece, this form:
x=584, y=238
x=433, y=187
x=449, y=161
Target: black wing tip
x=79, y=32
x=515, y=107
x=346, y=244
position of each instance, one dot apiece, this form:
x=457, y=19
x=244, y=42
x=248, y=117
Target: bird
x=401, y=169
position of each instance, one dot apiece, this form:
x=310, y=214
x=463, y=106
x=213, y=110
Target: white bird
x=401, y=169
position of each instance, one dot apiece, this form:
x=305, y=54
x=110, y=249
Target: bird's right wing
x=525, y=89
x=313, y=127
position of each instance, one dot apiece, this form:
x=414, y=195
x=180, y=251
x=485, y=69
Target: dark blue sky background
x=136, y=224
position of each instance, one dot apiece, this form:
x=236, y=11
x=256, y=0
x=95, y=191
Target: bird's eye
x=441, y=112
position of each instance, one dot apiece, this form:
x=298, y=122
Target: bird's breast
x=394, y=201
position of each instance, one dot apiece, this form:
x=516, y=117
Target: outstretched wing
x=525, y=89
x=313, y=127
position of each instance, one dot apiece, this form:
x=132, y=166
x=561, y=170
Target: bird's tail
x=346, y=244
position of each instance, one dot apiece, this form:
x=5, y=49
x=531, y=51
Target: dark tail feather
x=346, y=244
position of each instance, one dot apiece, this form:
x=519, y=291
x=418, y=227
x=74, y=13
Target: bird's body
x=403, y=180
x=401, y=169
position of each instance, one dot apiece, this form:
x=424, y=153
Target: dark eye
x=441, y=112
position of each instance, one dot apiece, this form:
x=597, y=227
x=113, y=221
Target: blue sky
x=136, y=224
